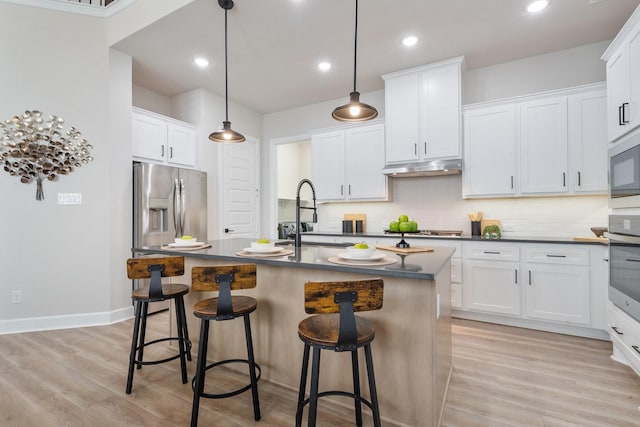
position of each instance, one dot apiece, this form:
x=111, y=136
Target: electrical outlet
x=16, y=297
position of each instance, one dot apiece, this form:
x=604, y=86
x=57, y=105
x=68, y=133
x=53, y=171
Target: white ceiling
x=274, y=45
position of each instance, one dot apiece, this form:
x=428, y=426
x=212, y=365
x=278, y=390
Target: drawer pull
x=492, y=252
x=556, y=256
x=615, y=329
x=632, y=260
x=635, y=347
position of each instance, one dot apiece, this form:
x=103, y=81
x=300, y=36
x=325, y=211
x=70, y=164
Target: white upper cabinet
x=546, y=144
x=623, y=79
x=543, y=146
x=587, y=146
x=347, y=164
x=490, y=151
x=422, y=112
x=162, y=139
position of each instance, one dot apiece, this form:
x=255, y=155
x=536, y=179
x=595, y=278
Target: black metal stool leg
x=303, y=384
x=198, y=386
x=372, y=386
x=134, y=344
x=180, y=321
x=143, y=332
x=313, y=398
x=356, y=387
x=185, y=333
x=252, y=367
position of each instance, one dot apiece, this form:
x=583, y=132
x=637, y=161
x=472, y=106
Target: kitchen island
x=412, y=348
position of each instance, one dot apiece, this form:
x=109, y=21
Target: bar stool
x=224, y=279
x=155, y=269
x=335, y=327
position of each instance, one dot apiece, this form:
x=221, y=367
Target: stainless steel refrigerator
x=168, y=202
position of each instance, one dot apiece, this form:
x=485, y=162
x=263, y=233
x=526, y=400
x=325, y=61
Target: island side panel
x=443, y=366
x=410, y=356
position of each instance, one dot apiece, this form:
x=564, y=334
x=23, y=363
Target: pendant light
x=355, y=111
x=226, y=134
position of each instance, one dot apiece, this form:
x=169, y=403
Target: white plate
x=263, y=251
x=374, y=257
x=186, y=244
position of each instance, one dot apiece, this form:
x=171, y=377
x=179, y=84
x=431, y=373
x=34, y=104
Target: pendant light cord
x=226, y=70
x=355, y=50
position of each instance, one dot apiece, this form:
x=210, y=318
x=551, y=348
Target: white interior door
x=239, y=190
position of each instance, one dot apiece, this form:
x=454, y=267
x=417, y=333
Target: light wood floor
x=503, y=376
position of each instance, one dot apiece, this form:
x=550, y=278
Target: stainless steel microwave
x=624, y=172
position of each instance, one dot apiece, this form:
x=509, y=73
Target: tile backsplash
x=437, y=203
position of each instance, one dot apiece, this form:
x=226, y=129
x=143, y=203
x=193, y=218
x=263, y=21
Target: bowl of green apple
x=262, y=245
x=360, y=251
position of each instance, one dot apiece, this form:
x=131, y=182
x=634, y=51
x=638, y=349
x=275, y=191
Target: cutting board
x=357, y=217
x=411, y=250
x=486, y=222
x=591, y=239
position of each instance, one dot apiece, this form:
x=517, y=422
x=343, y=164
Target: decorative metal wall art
x=33, y=148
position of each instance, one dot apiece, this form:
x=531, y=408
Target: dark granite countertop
x=464, y=237
x=424, y=265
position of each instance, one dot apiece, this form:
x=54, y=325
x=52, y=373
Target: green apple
x=405, y=226
x=185, y=237
x=403, y=218
x=361, y=246
x=263, y=240
x=394, y=226
x=414, y=225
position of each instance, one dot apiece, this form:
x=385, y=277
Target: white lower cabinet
x=625, y=336
x=491, y=278
x=545, y=286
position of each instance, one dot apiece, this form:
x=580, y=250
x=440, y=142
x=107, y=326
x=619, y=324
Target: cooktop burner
x=449, y=233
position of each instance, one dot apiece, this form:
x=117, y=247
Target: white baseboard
x=33, y=324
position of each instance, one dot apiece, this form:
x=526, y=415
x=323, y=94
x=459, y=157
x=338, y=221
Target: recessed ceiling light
x=409, y=40
x=324, y=66
x=201, y=62
x=537, y=6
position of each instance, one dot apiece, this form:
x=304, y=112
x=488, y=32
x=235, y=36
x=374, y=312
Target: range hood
x=428, y=168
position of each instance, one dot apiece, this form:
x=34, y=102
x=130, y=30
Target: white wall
x=151, y=101
x=437, y=202
x=67, y=260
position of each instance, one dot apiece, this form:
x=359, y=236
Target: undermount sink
x=305, y=243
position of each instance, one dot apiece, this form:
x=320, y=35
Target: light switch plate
x=69, y=198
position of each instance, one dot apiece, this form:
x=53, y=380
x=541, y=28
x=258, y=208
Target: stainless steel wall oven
x=624, y=263
x=624, y=172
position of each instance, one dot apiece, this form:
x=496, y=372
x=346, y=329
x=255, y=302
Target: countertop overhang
x=424, y=265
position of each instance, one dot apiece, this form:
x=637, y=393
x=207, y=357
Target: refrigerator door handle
x=183, y=206
x=176, y=208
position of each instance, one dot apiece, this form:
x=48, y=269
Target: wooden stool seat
x=323, y=330
x=170, y=291
x=224, y=279
x=334, y=326
x=156, y=268
x=208, y=308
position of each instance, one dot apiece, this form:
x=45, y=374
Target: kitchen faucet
x=298, y=207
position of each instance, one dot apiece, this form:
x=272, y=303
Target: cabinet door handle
x=512, y=182
x=620, y=123
x=425, y=148
x=635, y=347
x=529, y=277
x=632, y=260
x=625, y=107
x=564, y=179
x=579, y=180
x=162, y=151
x=171, y=152
x=615, y=329
x=556, y=256
x=516, y=272
x=492, y=252
x=349, y=189
x=342, y=190
x=415, y=149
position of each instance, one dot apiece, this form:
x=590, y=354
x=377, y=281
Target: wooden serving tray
x=412, y=249
x=591, y=239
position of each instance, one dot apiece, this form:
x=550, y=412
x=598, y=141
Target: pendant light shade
x=226, y=134
x=355, y=111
